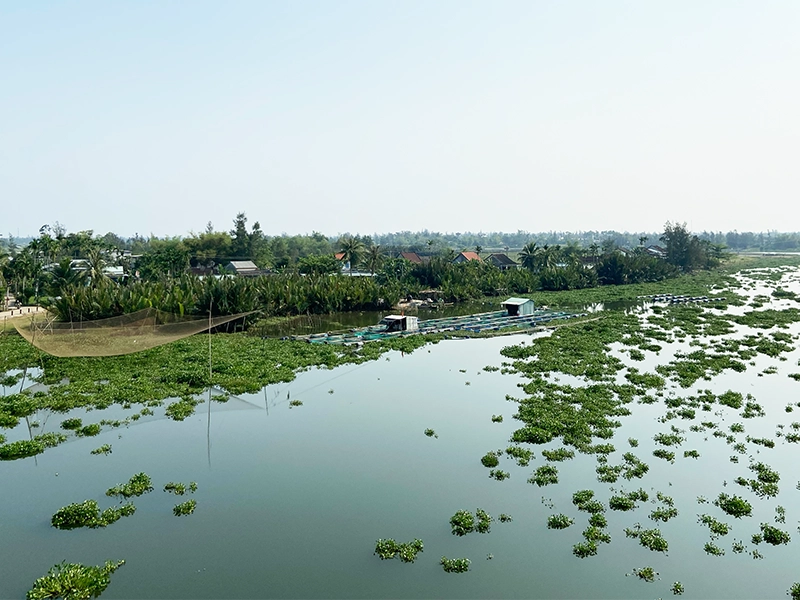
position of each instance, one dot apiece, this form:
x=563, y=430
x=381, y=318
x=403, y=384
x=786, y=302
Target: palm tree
x=373, y=259
x=478, y=249
x=529, y=256
x=353, y=249
x=63, y=276
x=96, y=265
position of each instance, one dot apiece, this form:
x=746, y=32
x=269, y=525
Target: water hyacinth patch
x=179, y=489
x=558, y=455
x=73, y=581
x=87, y=514
x=712, y=549
x=455, y=565
x=184, y=508
x=544, y=475
x=559, y=521
x=489, y=459
x=677, y=588
x=462, y=523
x=137, y=485
x=431, y=433
x=105, y=449
x=649, y=538
x=585, y=549
x=773, y=535
x=497, y=418
x=522, y=455
x=71, y=424
x=717, y=528
x=407, y=552
x=647, y=574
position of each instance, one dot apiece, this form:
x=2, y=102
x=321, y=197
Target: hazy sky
x=380, y=116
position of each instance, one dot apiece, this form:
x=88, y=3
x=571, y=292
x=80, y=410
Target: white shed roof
x=517, y=301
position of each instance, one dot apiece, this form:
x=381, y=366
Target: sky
x=155, y=117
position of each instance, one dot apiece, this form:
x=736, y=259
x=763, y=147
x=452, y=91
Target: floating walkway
x=672, y=299
x=478, y=323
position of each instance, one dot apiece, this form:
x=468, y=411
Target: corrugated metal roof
x=517, y=301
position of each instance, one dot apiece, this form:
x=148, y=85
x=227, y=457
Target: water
x=291, y=500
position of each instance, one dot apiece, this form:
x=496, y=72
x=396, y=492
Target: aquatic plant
x=293, y=403
x=608, y=473
x=462, y=523
x=21, y=449
x=72, y=581
x=691, y=454
x=504, y=518
x=773, y=535
x=649, y=538
x=522, y=455
x=71, y=424
x=594, y=534
x=712, y=549
x=585, y=549
x=544, y=475
x=105, y=449
x=647, y=574
x=499, y=474
x=558, y=455
x=497, y=418
x=665, y=454
x=179, y=489
x=734, y=506
x=598, y=520
x=388, y=549
x=488, y=460
x=559, y=521
x=780, y=514
x=484, y=521
x=794, y=591
x=633, y=467
x=182, y=409
x=455, y=565
x=677, y=588
x=668, y=439
x=137, y=485
x=737, y=428
x=664, y=514
x=184, y=508
x=716, y=527
x=87, y=514
x=90, y=430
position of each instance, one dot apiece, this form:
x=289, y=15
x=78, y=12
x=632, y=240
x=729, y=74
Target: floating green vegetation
x=184, y=508
x=626, y=502
x=734, y=506
x=668, y=439
x=182, y=409
x=87, y=514
x=293, y=403
x=664, y=514
x=497, y=418
x=71, y=424
x=179, y=489
x=585, y=549
x=780, y=514
x=491, y=369
x=72, y=581
x=794, y=591
x=633, y=442
x=633, y=467
x=431, y=433
x=504, y=518
x=388, y=549
x=455, y=565
x=90, y=430
x=766, y=482
x=649, y=538
x=137, y=485
x=608, y=473
x=559, y=521
x=647, y=574
x=544, y=475
x=21, y=449
x=598, y=520
x=523, y=456
x=488, y=460
x=691, y=454
x=462, y=523
x=712, y=549
x=773, y=535
x=594, y=534
x=752, y=409
x=738, y=547
x=717, y=528
x=484, y=522
x=737, y=428
x=665, y=454
x=766, y=442
x=558, y=455
x=677, y=588
x=105, y=449
x=499, y=474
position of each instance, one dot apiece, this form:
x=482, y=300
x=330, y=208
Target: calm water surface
x=291, y=500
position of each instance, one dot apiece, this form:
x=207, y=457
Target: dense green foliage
x=71, y=581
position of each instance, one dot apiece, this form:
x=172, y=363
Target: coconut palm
x=353, y=249
x=529, y=256
x=373, y=259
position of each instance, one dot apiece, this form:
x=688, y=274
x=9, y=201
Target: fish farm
x=477, y=323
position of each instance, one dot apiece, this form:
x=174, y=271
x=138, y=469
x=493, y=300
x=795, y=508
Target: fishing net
x=134, y=332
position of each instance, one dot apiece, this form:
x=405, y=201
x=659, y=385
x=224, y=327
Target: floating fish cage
x=477, y=323
x=680, y=299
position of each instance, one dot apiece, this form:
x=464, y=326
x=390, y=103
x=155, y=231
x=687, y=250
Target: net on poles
x=126, y=334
